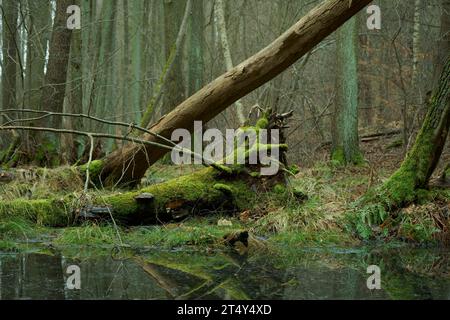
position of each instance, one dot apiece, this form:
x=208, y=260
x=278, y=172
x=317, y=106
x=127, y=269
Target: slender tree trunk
x=443, y=44
x=416, y=87
x=125, y=66
x=72, y=146
x=9, y=68
x=173, y=61
x=38, y=26
x=196, y=46
x=135, y=21
x=345, y=146
x=54, y=90
x=219, y=11
x=174, y=90
x=9, y=12
x=128, y=164
x=39, y=30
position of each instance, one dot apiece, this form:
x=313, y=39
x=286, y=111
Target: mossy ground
x=280, y=218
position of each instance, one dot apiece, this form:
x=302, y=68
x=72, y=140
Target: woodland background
x=133, y=61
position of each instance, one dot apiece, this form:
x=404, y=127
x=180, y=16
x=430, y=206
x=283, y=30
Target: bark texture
x=345, y=122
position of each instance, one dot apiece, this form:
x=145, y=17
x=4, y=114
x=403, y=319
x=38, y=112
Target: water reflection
x=300, y=274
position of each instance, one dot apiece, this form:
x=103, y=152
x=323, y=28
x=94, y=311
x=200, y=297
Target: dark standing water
x=301, y=274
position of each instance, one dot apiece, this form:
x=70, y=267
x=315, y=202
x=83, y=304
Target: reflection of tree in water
x=30, y=276
x=414, y=273
x=294, y=274
x=304, y=275
x=219, y=276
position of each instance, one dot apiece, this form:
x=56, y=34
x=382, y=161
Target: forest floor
x=319, y=220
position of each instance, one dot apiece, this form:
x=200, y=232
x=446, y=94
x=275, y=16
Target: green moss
x=224, y=188
x=279, y=188
x=46, y=212
x=338, y=157
x=47, y=153
x=203, y=188
x=255, y=174
x=294, y=169
x=262, y=123
x=95, y=169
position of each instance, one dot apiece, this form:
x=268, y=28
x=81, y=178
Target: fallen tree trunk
x=420, y=162
x=207, y=189
x=129, y=164
x=221, y=187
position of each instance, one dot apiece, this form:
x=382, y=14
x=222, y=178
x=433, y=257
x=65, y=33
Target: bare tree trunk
x=9, y=10
x=129, y=164
x=345, y=148
x=443, y=45
x=54, y=90
x=74, y=103
x=219, y=12
x=416, y=88
x=196, y=47
x=166, y=82
x=174, y=90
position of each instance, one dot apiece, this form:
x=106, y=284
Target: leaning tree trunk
x=420, y=162
x=129, y=164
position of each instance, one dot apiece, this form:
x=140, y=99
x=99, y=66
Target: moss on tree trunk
x=414, y=173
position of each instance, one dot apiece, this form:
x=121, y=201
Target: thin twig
x=47, y=114
x=206, y=162
x=88, y=166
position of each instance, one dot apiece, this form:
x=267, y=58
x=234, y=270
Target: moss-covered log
x=204, y=191
x=414, y=174
x=219, y=187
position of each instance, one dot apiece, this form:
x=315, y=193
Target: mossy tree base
x=407, y=183
x=339, y=158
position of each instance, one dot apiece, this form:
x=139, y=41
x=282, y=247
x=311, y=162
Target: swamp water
x=313, y=273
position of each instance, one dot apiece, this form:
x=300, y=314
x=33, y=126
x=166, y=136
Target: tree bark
x=443, y=44
x=196, y=47
x=72, y=146
x=345, y=147
x=219, y=12
x=174, y=90
x=54, y=89
x=9, y=68
x=128, y=164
